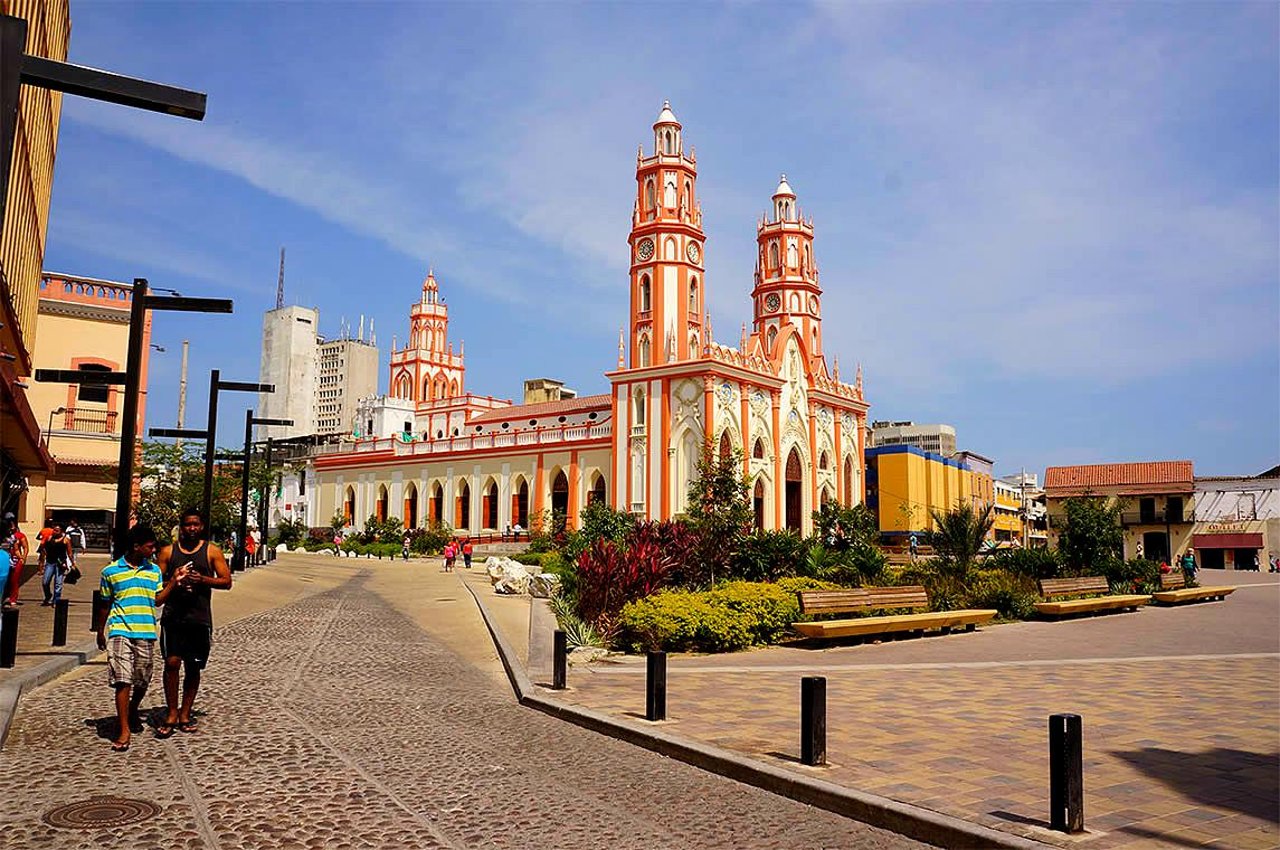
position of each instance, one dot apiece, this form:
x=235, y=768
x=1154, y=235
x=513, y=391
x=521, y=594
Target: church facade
x=431, y=451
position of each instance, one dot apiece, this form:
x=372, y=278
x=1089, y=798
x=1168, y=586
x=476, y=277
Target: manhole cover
x=97, y=812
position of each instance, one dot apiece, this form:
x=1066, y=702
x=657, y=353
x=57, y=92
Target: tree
x=959, y=536
x=719, y=509
x=172, y=479
x=841, y=527
x=1092, y=537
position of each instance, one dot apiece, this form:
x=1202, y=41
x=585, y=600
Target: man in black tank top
x=186, y=626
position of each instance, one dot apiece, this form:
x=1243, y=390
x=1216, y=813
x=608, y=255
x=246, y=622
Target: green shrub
x=430, y=540
x=533, y=559
x=1137, y=575
x=318, y=546
x=767, y=555
x=769, y=608
x=1033, y=563
x=1014, y=596
x=681, y=621
x=795, y=584
x=554, y=563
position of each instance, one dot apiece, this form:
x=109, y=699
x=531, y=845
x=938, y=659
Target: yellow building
x=906, y=484
x=22, y=244
x=1157, y=502
x=82, y=324
x=1007, y=518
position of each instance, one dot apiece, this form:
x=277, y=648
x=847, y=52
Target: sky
x=1055, y=226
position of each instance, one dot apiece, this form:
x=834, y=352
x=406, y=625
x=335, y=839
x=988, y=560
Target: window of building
x=90, y=392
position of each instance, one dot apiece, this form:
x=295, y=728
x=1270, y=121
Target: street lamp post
x=52, y=413
x=216, y=385
x=264, y=509
x=239, y=560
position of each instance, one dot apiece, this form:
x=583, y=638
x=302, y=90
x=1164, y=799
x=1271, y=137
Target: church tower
x=668, y=290
x=786, y=279
x=426, y=369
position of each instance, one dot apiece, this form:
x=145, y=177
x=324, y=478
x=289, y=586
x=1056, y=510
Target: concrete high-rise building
x=937, y=438
x=290, y=349
x=348, y=373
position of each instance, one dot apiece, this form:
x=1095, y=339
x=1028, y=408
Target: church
x=431, y=451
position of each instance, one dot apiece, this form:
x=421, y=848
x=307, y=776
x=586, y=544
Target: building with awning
x=1237, y=520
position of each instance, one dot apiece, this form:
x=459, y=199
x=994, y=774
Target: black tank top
x=189, y=604
x=55, y=550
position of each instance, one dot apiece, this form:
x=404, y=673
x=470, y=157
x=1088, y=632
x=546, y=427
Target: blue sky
x=1054, y=225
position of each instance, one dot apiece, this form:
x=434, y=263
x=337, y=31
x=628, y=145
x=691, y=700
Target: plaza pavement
x=361, y=704
x=1180, y=709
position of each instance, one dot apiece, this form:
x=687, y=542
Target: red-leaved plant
x=611, y=574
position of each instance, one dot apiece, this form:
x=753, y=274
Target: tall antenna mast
x=280, y=282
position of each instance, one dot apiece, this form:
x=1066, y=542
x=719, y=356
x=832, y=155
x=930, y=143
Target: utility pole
x=182, y=390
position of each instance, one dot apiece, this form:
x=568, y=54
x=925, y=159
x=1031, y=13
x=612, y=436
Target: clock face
x=813, y=304
x=692, y=252
x=771, y=303
x=645, y=250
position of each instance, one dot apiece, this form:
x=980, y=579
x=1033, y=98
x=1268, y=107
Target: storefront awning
x=1227, y=541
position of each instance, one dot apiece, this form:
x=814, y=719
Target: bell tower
x=668, y=289
x=426, y=369
x=786, y=279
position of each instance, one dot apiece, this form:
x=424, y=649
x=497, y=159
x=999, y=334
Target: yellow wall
x=910, y=485
x=31, y=178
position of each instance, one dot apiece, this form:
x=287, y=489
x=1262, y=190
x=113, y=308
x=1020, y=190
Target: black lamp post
x=52, y=413
x=239, y=559
x=216, y=384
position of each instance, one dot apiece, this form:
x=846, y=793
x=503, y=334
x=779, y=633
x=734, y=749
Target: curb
x=903, y=818
x=36, y=676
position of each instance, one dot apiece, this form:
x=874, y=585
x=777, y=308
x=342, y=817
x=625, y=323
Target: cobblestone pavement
x=1181, y=728
x=336, y=722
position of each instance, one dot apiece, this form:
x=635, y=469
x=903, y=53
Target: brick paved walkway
x=1182, y=731
x=338, y=721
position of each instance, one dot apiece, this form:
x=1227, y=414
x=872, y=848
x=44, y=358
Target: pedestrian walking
x=914, y=545
x=250, y=546
x=1189, y=564
x=404, y=546
x=55, y=551
x=76, y=534
x=449, y=553
x=466, y=553
x=186, y=627
x=132, y=586
x=15, y=542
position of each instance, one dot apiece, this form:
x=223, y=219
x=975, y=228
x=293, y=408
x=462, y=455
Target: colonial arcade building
x=431, y=451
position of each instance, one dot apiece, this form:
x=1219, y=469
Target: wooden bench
x=1086, y=585
x=880, y=598
x=1174, y=590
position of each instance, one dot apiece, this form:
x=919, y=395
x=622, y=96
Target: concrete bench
x=1174, y=590
x=1090, y=586
x=880, y=598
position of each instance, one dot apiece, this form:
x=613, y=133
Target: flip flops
x=188, y=726
x=118, y=747
x=165, y=730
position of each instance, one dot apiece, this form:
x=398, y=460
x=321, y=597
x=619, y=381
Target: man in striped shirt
x=133, y=586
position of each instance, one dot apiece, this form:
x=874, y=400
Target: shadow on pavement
x=1209, y=778
x=1162, y=837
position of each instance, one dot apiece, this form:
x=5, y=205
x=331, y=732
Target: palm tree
x=959, y=536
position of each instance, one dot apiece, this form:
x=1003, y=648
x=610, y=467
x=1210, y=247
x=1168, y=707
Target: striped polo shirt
x=132, y=592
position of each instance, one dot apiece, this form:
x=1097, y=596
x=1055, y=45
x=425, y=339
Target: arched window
x=381, y=509
x=597, y=494
x=489, y=510
x=649, y=198
x=794, y=491
x=793, y=303
x=823, y=460
x=773, y=255
x=688, y=194
x=757, y=451
x=349, y=505
x=670, y=142
x=757, y=504
x=645, y=295
x=462, y=508
x=848, y=481
x=453, y=389
x=560, y=494
x=639, y=418
x=695, y=347
x=435, y=505
x=644, y=350
x=824, y=496
x=726, y=447
x=411, y=506
x=773, y=336
x=693, y=296
x=792, y=256
x=669, y=250
x=669, y=194
x=804, y=267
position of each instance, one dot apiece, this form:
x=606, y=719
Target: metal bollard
x=560, y=660
x=1066, y=773
x=99, y=612
x=8, y=636
x=60, y=610
x=655, y=703
x=813, y=720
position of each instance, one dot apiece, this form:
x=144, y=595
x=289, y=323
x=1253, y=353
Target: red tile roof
x=546, y=408
x=1109, y=476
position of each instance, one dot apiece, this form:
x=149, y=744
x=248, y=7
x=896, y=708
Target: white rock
x=544, y=585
